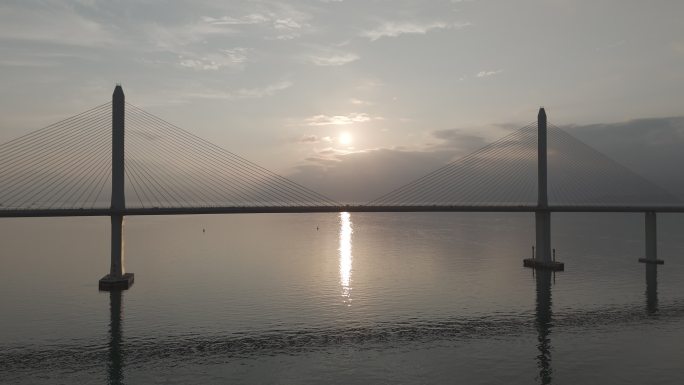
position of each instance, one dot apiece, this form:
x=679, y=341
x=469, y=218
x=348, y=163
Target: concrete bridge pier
x=117, y=279
x=542, y=221
x=651, y=239
x=544, y=257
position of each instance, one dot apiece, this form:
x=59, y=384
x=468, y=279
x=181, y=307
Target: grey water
x=341, y=299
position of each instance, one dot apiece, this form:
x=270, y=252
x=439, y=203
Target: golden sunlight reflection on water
x=346, y=256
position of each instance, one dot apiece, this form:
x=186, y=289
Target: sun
x=344, y=138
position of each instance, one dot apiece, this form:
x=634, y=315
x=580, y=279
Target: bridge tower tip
x=118, y=90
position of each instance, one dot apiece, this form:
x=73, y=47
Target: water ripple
x=137, y=351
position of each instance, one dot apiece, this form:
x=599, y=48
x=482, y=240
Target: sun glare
x=345, y=138
x=346, y=258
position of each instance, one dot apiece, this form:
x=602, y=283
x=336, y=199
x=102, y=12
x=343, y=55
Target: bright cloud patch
x=326, y=120
x=484, y=74
x=286, y=26
x=225, y=58
x=360, y=102
x=392, y=29
x=334, y=60
x=254, y=18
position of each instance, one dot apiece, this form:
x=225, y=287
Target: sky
x=353, y=98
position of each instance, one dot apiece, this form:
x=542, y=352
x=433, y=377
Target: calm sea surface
x=363, y=299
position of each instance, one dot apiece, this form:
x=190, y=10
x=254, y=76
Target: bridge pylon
x=543, y=257
x=117, y=279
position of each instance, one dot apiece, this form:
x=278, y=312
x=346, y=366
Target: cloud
x=327, y=120
x=359, y=176
x=270, y=90
x=330, y=152
x=285, y=21
x=309, y=139
x=177, y=38
x=359, y=102
x=57, y=25
x=334, y=59
x=456, y=139
x=242, y=93
x=265, y=20
x=394, y=29
x=649, y=147
x=484, y=74
x=233, y=58
x=273, y=20
x=253, y=18
x=314, y=139
x=288, y=28
x=286, y=24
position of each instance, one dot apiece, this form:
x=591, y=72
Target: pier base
x=110, y=282
x=652, y=261
x=539, y=264
x=545, y=257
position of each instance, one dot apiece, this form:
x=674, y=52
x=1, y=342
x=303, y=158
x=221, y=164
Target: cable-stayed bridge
x=117, y=159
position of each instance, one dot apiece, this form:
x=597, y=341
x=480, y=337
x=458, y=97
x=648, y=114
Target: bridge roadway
x=33, y=213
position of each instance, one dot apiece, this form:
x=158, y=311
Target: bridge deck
x=328, y=209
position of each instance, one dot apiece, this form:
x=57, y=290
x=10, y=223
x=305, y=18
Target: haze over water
x=366, y=298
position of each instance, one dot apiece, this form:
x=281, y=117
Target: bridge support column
x=117, y=279
x=542, y=258
x=651, y=239
x=542, y=221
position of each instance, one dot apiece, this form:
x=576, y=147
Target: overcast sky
x=330, y=91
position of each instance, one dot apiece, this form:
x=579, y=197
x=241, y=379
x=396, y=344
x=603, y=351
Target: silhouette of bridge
x=117, y=159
